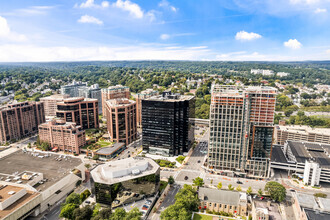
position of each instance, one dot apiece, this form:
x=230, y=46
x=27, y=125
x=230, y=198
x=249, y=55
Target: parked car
x=239, y=182
x=186, y=178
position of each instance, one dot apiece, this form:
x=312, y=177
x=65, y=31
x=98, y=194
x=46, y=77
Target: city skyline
x=82, y=30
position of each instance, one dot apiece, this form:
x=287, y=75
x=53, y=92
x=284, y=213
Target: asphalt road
x=169, y=200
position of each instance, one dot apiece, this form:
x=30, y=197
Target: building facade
x=79, y=89
x=241, y=130
x=121, y=120
x=63, y=136
x=82, y=111
x=114, y=92
x=165, y=124
x=117, y=183
x=20, y=120
x=50, y=103
x=72, y=89
x=139, y=97
x=301, y=133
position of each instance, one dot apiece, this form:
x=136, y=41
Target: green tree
x=171, y=180
x=198, y=182
x=260, y=192
x=230, y=187
x=219, y=185
x=73, y=198
x=134, y=214
x=84, y=195
x=239, y=188
x=276, y=191
x=67, y=211
x=102, y=214
x=249, y=190
x=83, y=213
x=118, y=214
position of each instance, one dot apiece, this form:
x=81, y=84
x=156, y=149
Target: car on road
x=198, y=161
x=239, y=182
x=292, y=190
x=145, y=207
x=262, y=198
x=186, y=178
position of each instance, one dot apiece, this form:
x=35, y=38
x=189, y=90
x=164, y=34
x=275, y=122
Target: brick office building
x=20, y=120
x=114, y=92
x=63, y=136
x=121, y=120
x=82, y=111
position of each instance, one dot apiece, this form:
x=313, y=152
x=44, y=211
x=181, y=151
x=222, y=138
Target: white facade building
x=312, y=173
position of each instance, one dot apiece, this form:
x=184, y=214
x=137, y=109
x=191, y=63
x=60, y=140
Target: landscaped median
x=204, y=216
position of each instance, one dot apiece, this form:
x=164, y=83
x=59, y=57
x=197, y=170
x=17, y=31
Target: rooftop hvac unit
x=136, y=172
x=11, y=192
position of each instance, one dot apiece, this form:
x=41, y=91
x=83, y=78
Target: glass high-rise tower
x=241, y=130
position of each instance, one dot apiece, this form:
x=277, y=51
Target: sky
x=219, y=30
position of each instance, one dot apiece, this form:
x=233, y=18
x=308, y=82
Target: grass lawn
x=202, y=217
x=104, y=143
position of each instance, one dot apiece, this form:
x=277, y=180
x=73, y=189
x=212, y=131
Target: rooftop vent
x=136, y=172
x=11, y=192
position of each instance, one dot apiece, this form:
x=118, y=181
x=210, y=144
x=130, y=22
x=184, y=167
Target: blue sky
x=244, y=30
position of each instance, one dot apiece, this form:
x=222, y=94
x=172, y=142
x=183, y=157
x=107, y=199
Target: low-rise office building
x=310, y=161
x=39, y=181
x=82, y=111
x=63, y=136
x=50, y=103
x=301, y=133
x=121, y=120
x=223, y=201
x=20, y=120
x=106, y=153
x=125, y=181
x=17, y=202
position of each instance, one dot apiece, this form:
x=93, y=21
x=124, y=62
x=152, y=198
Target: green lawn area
x=202, y=217
x=104, y=143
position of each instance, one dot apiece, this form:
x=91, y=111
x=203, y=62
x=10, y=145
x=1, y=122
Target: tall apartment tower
x=65, y=136
x=20, y=120
x=50, y=103
x=241, y=130
x=140, y=96
x=82, y=111
x=121, y=120
x=72, y=89
x=166, y=129
x=80, y=89
x=114, y=92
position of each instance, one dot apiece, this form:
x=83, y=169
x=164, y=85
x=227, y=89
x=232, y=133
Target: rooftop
x=317, y=152
x=303, y=129
x=110, y=150
x=116, y=87
x=52, y=169
x=123, y=170
x=120, y=102
x=168, y=97
x=278, y=155
x=221, y=196
x=229, y=89
x=316, y=215
x=21, y=200
x=307, y=201
x=324, y=204
x=54, y=97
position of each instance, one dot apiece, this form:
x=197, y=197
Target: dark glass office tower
x=165, y=124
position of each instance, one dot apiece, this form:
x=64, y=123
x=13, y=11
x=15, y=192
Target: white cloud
x=320, y=10
x=293, y=44
x=328, y=51
x=91, y=4
x=167, y=5
x=165, y=36
x=8, y=35
x=25, y=53
x=90, y=19
x=133, y=8
x=308, y=2
x=246, y=36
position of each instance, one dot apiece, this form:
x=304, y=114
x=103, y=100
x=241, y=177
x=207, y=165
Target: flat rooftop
x=20, y=202
x=307, y=201
x=110, y=150
x=170, y=98
x=272, y=209
x=303, y=129
x=278, y=155
x=53, y=170
x=317, y=152
x=123, y=170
